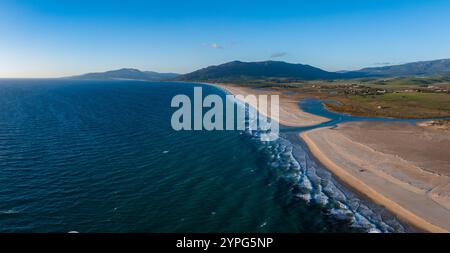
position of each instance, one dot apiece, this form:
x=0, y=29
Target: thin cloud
x=215, y=46
x=278, y=55
x=382, y=63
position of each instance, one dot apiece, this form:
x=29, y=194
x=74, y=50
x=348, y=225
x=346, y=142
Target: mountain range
x=241, y=71
x=127, y=73
x=237, y=70
x=422, y=68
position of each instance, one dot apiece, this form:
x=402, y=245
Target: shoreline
x=399, y=197
x=289, y=112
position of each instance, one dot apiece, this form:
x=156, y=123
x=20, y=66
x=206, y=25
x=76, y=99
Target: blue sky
x=56, y=38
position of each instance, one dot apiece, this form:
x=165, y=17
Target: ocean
x=101, y=156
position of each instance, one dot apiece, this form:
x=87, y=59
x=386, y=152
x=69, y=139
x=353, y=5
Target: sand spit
x=404, y=167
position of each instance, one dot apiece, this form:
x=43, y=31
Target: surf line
x=237, y=109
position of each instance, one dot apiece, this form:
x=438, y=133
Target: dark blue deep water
x=101, y=156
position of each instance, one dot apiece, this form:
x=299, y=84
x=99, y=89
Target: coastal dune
x=404, y=167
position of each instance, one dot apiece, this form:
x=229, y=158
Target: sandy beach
x=402, y=166
x=289, y=111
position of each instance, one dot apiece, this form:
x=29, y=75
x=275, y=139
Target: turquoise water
x=101, y=156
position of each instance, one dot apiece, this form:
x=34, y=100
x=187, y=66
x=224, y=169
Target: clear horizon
x=55, y=39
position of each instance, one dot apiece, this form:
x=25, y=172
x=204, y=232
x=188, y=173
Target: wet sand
x=402, y=166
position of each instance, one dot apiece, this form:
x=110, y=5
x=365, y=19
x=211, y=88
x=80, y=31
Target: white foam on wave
x=321, y=190
x=11, y=211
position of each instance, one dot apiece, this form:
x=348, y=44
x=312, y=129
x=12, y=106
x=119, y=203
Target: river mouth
x=308, y=181
x=316, y=107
